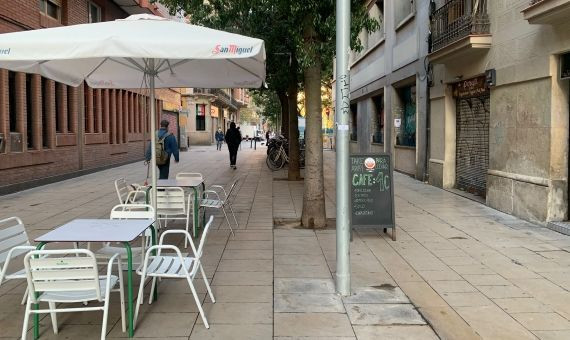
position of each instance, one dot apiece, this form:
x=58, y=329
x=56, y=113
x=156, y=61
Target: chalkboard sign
x=372, y=191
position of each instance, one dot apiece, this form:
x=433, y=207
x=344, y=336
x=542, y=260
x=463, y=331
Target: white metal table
x=192, y=183
x=101, y=230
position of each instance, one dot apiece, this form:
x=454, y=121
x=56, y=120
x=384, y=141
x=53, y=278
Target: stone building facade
x=48, y=130
x=388, y=85
x=499, y=106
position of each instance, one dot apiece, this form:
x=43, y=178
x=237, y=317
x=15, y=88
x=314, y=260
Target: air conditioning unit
x=2, y=143
x=16, y=142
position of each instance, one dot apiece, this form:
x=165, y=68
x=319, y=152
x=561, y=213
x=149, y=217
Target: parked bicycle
x=277, y=155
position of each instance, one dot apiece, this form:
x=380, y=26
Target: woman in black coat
x=233, y=139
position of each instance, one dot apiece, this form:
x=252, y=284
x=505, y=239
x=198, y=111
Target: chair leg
x=198, y=303
x=53, y=316
x=207, y=284
x=187, y=225
x=228, y=220
x=152, y=290
x=105, y=317
x=25, y=297
x=233, y=213
x=26, y=319
x=122, y=295
x=139, y=299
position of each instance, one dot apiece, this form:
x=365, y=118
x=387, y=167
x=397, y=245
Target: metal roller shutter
x=472, y=148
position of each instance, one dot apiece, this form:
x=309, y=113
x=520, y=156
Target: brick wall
x=114, y=122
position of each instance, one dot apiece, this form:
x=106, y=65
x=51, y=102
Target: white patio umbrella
x=122, y=53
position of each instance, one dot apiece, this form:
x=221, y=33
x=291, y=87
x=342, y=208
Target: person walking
x=233, y=139
x=266, y=136
x=166, y=146
x=219, y=139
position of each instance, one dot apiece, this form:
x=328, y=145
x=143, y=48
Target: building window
x=71, y=108
x=378, y=136
x=406, y=133
x=353, y=122
x=51, y=8
x=45, y=112
x=12, y=101
x=29, y=112
x=200, y=117
x=94, y=13
x=59, y=109
x=402, y=10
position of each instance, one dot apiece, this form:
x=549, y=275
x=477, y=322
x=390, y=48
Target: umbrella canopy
x=139, y=51
x=115, y=54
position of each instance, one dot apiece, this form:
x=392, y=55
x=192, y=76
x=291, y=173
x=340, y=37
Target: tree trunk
x=314, y=215
x=284, y=112
x=294, y=174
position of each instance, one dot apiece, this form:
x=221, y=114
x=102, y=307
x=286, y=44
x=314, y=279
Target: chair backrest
x=132, y=212
x=12, y=234
x=122, y=190
x=189, y=175
x=170, y=201
x=65, y=270
x=233, y=189
x=200, y=250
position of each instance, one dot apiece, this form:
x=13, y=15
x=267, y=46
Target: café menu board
x=372, y=193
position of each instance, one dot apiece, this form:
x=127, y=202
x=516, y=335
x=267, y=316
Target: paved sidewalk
x=464, y=269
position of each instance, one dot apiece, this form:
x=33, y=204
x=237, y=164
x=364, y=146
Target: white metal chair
x=13, y=243
x=129, y=194
x=69, y=276
x=129, y=212
x=175, y=266
x=217, y=197
x=171, y=204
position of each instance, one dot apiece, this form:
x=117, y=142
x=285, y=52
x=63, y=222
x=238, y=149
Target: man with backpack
x=166, y=146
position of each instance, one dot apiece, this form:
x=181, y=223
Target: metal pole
x=342, y=104
x=151, y=75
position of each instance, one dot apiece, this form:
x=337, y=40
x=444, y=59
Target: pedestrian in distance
x=267, y=137
x=233, y=140
x=166, y=146
x=219, y=139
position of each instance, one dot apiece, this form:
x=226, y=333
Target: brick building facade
x=49, y=130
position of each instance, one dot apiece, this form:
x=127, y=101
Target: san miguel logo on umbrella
x=231, y=49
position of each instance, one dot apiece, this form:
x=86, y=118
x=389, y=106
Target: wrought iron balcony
x=456, y=20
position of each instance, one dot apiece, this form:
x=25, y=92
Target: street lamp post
x=342, y=108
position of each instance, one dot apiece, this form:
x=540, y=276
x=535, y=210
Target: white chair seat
x=170, y=266
x=78, y=296
x=211, y=203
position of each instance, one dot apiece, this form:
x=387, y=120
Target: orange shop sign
x=214, y=111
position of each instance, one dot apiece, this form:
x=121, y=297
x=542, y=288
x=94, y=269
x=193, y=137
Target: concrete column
x=388, y=120
x=421, y=128
x=559, y=147
x=450, y=139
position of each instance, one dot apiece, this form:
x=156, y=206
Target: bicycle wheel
x=274, y=160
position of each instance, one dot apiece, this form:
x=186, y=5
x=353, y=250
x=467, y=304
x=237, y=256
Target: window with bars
x=51, y=8
x=200, y=117
x=13, y=114
x=29, y=112
x=94, y=13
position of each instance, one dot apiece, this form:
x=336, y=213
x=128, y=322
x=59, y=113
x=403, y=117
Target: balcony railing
x=458, y=19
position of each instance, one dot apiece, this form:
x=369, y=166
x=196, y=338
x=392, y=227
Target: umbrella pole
x=152, y=134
